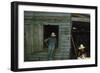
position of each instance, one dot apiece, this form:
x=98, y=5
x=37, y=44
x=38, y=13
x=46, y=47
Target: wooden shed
x=38, y=26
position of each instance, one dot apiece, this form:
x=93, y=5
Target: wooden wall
x=33, y=32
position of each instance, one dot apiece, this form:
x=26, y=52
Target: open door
x=48, y=29
x=80, y=35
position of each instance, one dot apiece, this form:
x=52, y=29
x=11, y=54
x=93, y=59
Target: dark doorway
x=80, y=35
x=48, y=29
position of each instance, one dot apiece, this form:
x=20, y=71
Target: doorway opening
x=47, y=30
x=80, y=35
